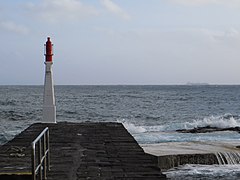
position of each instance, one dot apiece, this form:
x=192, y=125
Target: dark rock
x=208, y=129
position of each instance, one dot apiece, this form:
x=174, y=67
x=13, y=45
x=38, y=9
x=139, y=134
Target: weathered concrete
x=173, y=154
x=15, y=156
x=83, y=151
x=170, y=161
x=194, y=147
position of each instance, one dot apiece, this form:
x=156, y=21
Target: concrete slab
x=198, y=147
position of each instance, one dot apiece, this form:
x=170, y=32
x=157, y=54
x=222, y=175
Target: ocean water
x=150, y=113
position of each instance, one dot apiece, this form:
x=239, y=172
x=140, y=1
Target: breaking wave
x=132, y=128
x=145, y=134
x=224, y=121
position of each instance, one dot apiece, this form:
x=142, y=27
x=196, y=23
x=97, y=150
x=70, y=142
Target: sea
x=151, y=114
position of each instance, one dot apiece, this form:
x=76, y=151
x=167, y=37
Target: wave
x=6, y=136
x=18, y=115
x=8, y=103
x=3, y=139
x=151, y=134
x=225, y=121
x=132, y=128
x=70, y=112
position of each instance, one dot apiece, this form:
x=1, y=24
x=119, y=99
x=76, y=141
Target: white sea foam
x=167, y=132
x=195, y=171
x=214, y=121
x=155, y=128
x=132, y=128
x=224, y=121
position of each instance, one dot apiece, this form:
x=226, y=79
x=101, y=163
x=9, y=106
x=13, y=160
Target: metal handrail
x=40, y=169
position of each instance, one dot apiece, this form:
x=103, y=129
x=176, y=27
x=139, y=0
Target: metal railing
x=41, y=163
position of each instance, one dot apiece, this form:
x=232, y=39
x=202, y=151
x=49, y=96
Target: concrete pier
x=173, y=154
x=81, y=151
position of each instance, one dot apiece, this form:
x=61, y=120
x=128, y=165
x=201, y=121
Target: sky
x=114, y=42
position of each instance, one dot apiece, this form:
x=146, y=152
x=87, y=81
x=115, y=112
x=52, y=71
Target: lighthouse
x=49, y=107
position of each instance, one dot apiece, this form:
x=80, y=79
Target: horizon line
x=186, y=84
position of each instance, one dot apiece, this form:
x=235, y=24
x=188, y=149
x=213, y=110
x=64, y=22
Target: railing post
x=42, y=143
x=48, y=154
x=40, y=158
x=44, y=160
x=33, y=162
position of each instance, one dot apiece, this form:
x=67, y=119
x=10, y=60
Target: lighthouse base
x=49, y=114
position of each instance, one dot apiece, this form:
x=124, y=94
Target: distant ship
x=196, y=84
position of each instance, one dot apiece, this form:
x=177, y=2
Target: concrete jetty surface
x=173, y=154
x=194, y=147
x=81, y=151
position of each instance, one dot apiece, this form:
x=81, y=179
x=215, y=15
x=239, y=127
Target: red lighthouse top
x=49, y=52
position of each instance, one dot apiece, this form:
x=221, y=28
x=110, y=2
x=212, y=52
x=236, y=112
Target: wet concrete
x=84, y=151
x=173, y=154
x=170, y=161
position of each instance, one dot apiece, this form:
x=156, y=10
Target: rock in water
x=208, y=129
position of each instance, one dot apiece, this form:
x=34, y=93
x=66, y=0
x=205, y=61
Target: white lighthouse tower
x=49, y=107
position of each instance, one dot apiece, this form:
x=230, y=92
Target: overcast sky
x=121, y=41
